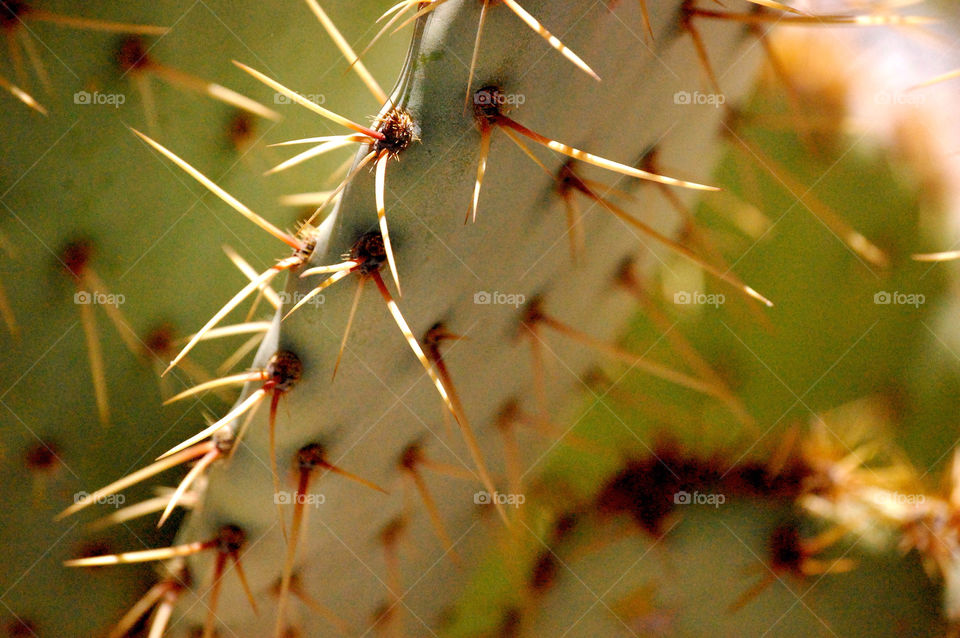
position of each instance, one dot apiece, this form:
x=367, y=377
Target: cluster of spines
x=844, y=484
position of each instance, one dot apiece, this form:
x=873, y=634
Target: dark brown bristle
x=369, y=251
x=22, y=628
x=159, y=341
x=278, y=584
x=76, y=256
x=241, y=128
x=435, y=336
x=42, y=457
x=311, y=456
x=508, y=414
x=544, y=572
x=94, y=548
x=383, y=613
x=132, y=54
x=486, y=103
x=285, y=370
x=230, y=539
x=410, y=457
x=567, y=179
x=733, y=120
x=625, y=274
x=596, y=379
x=786, y=548
x=752, y=478
x=510, y=624
x=564, y=526
x=687, y=10
x=392, y=531
x=646, y=490
x=12, y=13
x=398, y=130
x=533, y=313
x=649, y=160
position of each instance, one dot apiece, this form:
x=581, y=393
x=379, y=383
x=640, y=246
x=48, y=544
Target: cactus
x=398, y=416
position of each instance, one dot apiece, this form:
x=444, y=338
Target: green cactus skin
x=80, y=173
x=700, y=559
x=429, y=193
